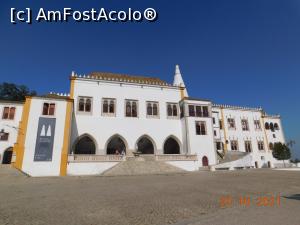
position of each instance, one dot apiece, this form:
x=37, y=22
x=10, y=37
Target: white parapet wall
x=185, y=165
x=89, y=168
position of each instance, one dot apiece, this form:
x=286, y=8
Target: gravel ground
x=193, y=198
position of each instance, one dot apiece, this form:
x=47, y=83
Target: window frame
x=108, y=113
x=131, y=102
x=257, y=122
x=7, y=135
x=229, y=124
x=152, y=103
x=172, y=104
x=48, y=111
x=250, y=145
x=261, y=145
x=245, y=125
x=199, y=123
x=236, y=145
x=9, y=112
x=84, y=105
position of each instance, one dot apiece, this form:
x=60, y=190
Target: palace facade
x=108, y=118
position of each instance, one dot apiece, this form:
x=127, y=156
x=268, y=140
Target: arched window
x=7, y=155
x=169, y=110
x=81, y=105
x=12, y=111
x=271, y=126
x=174, y=110
x=128, y=109
x=45, y=108
x=131, y=108
x=149, y=109
x=276, y=127
x=111, y=106
x=271, y=146
x=155, y=109
x=145, y=146
x=267, y=126
x=85, y=145
x=115, y=145
x=204, y=161
x=105, y=106
x=88, y=105
x=171, y=146
x=134, y=109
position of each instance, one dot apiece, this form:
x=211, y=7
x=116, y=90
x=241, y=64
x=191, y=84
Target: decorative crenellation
x=122, y=78
x=237, y=107
x=59, y=94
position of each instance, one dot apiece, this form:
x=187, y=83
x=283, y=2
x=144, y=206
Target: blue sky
x=234, y=52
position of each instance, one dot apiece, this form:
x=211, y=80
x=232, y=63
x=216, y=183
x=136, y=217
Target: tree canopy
x=281, y=151
x=14, y=92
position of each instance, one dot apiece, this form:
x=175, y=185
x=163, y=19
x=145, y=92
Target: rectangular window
x=192, y=110
x=215, y=133
x=8, y=113
x=231, y=123
x=257, y=125
x=172, y=110
x=261, y=145
x=85, y=104
x=234, y=145
x=131, y=108
x=248, y=147
x=245, y=125
x=198, y=111
x=152, y=109
x=201, y=128
x=214, y=120
x=4, y=137
x=221, y=124
x=48, y=109
x=219, y=145
x=108, y=107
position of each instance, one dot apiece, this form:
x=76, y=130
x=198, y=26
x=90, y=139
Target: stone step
x=133, y=167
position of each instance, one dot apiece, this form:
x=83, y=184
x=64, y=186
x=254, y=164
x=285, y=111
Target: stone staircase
x=232, y=156
x=141, y=166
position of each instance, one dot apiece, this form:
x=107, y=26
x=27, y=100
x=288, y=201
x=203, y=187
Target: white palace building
x=108, y=119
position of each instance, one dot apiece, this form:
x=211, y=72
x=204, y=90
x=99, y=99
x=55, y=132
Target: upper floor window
x=248, y=147
x=4, y=136
x=201, y=128
x=172, y=110
x=234, y=145
x=231, y=123
x=152, y=109
x=9, y=113
x=214, y=120
x=260, y=145
x=198, y=111
x=221, y=124
x=272, y=127
x=271, y=146
x=48, y=109
x=108, y=106
x=219, y=145
x=131, y=108
x=245, y=125
x=267, y=126
x=276, y=127
x=257, y=125
x=85, y=104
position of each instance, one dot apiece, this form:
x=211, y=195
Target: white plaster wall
x=51, y=168
x=89, y=168
x=10, y=126
x=101, y=128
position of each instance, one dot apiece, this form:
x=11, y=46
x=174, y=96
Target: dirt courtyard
x=260, y=196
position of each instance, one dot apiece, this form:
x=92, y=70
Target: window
x=48, y=109
x=85, y=104
x=257, y=125
x=152, y=109
x=245, y=125
x=9, y=113
x=192, y=110
x=260, y=145
x=131, y=108
x=172, y=110
x=198, y=111
x=248, y=147
x=108, y=106
x=274, y=136
x=215, y=133
x=276, y=127
x=267, y=126
x=214, y=120
x=271, y=146
x=4, y=137
x=219, y=145
x=271, y=127
x=221, y=124
x=231, y=123
x=234, y=145
x=200, y=128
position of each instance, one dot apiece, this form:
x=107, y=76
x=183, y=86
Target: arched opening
x=271, y=127
x=145, y=145
x=116, y=145
x=267, y=126
x=85, y=145
x=276, y=127
x=171, y=146
x=204, y=161
x=7, y=155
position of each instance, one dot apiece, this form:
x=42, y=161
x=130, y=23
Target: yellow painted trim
x=263, y=127
x=66, y=143
x=19, y=146
x=224, y=129
x=182, y=92
x=72, y=84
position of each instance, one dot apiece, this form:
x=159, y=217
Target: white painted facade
x=196, y=133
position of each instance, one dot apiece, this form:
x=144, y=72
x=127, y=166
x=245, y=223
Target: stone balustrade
x=175, y=157
x=95, y=158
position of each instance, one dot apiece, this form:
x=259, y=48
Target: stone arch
x=145, y=144
x=205, y=161
x=84, y=144
x=114, y=143
x=172, y=145
x=7, y=155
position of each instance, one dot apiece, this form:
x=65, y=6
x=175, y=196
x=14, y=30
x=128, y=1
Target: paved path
x=192, y=198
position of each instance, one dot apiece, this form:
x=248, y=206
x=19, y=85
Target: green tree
x=281, y=152
x=13, y=92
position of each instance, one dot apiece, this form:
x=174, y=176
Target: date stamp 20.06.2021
x=246, y=201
